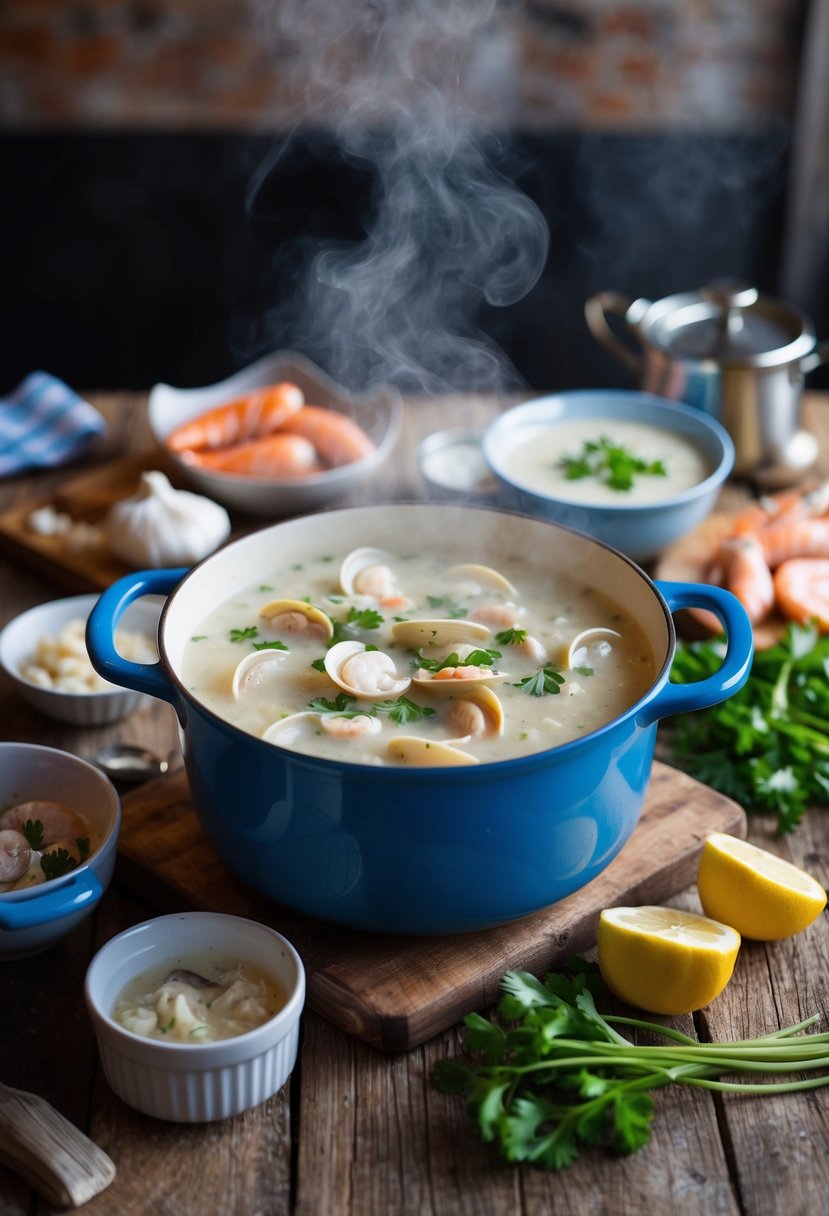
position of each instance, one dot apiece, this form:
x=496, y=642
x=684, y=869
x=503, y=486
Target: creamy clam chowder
x=401, y=659
x=555, y=459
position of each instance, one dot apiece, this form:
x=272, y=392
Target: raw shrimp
x=338, y=439
x=278, y=455
x=747, y=575
x=795, y=538
x=801, y=586
x=59, y=822
x=257, y=413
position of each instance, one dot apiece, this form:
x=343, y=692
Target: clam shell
x=358, y=563
x=427, y=633
x=485, y=575
x=286, y=730
x=255, y=668
x=458, y=685
x=584, y=638
x=482, y=699
x=374, y=677
x=427, y=753
x=300, y=617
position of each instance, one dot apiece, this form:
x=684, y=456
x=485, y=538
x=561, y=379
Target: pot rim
x=452, y=773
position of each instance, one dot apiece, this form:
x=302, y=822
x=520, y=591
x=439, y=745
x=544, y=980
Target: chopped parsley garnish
x=477, y=658
x=244, y=635
x=403, y=710
x=199, y=637
x=452, y=609
x=543, y=683
x=32, y=829
x=611, y=463
x=269, y=646
x=365, y=618
x=511, y=637
x=341, y=705
x=56, y=863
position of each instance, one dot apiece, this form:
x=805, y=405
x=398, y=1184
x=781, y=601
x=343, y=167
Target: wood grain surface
x=358, y=1132
x=396, y=992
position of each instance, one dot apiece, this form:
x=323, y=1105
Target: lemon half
x=664, y=960
x=761, y=895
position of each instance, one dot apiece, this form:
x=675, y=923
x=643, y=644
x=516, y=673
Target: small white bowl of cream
x=196, y=1014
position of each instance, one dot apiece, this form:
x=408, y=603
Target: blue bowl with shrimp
x=72, y=801
x=345, y=417
x=418, y=849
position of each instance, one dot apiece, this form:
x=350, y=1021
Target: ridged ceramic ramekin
x=195, y=1082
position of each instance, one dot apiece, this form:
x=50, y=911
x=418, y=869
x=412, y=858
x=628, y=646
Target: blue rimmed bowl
x=642, y=529
x=32, y=919
x=418, y=850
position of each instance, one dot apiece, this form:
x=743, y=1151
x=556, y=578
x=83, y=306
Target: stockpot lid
x=729, y=324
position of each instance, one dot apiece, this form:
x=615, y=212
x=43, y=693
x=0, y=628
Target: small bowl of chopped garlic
x=43, y=653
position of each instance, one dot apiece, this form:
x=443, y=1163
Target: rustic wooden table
x=359, y=1133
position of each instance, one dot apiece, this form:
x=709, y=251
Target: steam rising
x=405, y=84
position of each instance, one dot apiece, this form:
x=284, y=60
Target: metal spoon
x=124, y=762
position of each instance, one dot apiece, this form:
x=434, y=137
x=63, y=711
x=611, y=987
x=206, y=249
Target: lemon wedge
x=756, y=892
x=664, y=960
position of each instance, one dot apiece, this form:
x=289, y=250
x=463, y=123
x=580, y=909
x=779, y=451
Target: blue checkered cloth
x=44, y=423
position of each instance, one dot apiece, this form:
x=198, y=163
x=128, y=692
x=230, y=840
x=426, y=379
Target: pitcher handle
x=595, y=312
x=736, y=664
x=100, y=633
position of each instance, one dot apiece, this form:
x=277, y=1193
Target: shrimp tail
x=278, y=455
x=257, y=413
x=338, y=439
x=801, y=587
x=747, y=575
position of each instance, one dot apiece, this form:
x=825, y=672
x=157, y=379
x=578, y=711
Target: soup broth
x=401, y=659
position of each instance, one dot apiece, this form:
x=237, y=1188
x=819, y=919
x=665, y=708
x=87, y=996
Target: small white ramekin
x=195, y=1082
x=17, y=646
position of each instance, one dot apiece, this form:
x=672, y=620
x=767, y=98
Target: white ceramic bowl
x=195, y=1082
x=639, y=529
x=379, y=415
x=17, y=646
x=32, y=919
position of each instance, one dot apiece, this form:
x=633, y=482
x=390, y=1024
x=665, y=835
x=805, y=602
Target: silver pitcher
x=732, y=352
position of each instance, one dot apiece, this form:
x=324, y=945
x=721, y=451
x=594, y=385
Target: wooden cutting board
x=396, y=992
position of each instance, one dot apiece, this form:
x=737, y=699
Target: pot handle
x=80, y=892
x=818, y=356
x=100, y=633
x=595, y=312
x=736, y=664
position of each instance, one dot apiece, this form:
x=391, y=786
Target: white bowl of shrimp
x=59, y=823
x=43, y=653
x=278, y=438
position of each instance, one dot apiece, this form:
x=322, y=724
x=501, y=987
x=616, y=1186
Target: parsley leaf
x=269, y=646
x=341, y=705
x=32, y=829
x=403, y=711
x=768, y=745
x=550, y=1073
x=451, y=607
x=365, y=618
x=611, y=463
x=243, y=635
x=476, y=658
x=545, y=682
x=511, y=637
x=56, y=863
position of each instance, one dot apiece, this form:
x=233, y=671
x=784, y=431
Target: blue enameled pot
x=424, y=850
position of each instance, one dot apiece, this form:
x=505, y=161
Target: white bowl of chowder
x=196, y=1014
x=419, y=718
x=629, y=468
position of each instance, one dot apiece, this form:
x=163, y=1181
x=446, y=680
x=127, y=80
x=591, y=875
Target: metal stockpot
x=728, y=350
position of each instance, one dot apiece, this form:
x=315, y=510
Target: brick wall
x=545, y=65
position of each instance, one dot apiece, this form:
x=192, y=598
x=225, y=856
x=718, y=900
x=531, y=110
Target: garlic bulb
x=162, y=526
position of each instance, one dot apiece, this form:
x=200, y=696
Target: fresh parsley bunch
x=552, y=1074
x=768, y=745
